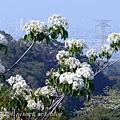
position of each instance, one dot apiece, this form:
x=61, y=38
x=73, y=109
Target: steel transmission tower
x=102, y=26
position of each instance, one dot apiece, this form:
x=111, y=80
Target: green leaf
x=112, y=45
x=100, y=55
x=32, y=35
x=50, y=29
x=116, y=49
x=65, y=34
x=27, y=38
x=40, y=36
x=108, y=56
x=91, y=86
x=88, y=96
x=47, y=40
x=3, y=48
x=103, y=53
x=54, y=35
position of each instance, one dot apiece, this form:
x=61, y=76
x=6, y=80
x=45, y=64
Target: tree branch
x=57, y=103
x=107, y=66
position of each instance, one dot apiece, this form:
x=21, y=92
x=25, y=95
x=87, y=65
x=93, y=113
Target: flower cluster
x=19, y=85
x=74, y=42
x=56, y=21
x=2, y=68
x=91, y=52
x=3, y=40
x=72, y=78
x=4, y=114
x=72, y=62
x=46, y=90
x=85, y=71
x=114, y=37
x=107, y=49
x=32, y=105
x=13, y=80
x=62, y=54
x=35, y=27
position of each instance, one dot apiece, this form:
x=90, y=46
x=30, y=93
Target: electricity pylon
x=102, y=26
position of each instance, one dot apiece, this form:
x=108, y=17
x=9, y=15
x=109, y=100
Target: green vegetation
x=41, y=58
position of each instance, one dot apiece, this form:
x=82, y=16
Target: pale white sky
x=74, y=10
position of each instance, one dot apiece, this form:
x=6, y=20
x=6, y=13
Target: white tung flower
x=85, y=71
x=114, y=37
x=3, y=39
x=31, y=104
x=78, y=84
x=73, y=79
x=74, y=42
x=46, y=90
x=12, y=80
x=91, y=52
x=72, y=62
x=35, y=27
x=106, y=48
x=19, y=85
x=58, y=20
x=62, y=54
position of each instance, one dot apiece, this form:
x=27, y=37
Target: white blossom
x=85, y=71
x=78, y=84
x=4, y=114
x=32, y=105
x=72, y=62
x=46, y=90
x=91, y=52
x=36, y=27
x=19, y=85
x=74, y=42
x=62, y=54
x=12, y=80
x=39, y=105
x=106, y=48
x=72, y=78
x=58, y=20
x=3, y=39
x=114, y=37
